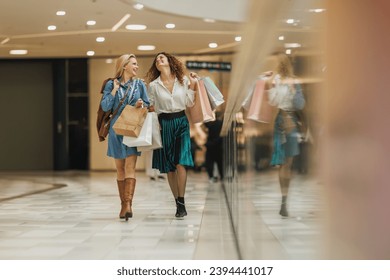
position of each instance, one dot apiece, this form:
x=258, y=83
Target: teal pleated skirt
x=284, y=144
x=176, y=145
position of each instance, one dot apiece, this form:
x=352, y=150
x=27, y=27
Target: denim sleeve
x=107, y=102
x=299, y=99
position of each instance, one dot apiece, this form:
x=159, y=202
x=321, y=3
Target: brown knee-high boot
x=121, y=189
x=129, y=194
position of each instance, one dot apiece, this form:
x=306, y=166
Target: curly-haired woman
x=170, y=92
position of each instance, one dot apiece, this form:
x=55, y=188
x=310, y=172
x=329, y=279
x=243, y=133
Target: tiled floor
x=74, y=215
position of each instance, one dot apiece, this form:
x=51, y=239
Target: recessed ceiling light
x=290, y=21
x=138, y=6
x=281, y=38
x=170, y=25
x=51, y=27
x=146, y=47
x=213, y=45
x=18, y=52
x=237, y=38
x=288, y=51
x=60, y=13
x=136, y=27
x=109, y=60
x=90, y=53
x=317, y=10
x=91, y=22
x=100, y=39
x=292, y=45
x=209, y=20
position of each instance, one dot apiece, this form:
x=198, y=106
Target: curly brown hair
x=176, y=66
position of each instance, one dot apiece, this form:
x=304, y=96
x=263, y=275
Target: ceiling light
x=281, y=38
x=317, y=10
x=213, y=45
x=109, y=60
x=288, y=51
x=6, y=40
x=135, y=27
x=170, y=25
x=292, y=45
x=209, y=20
x=60, y=13
x=138, y=6
x=100, y=39
x=51, y=27
x=91, y=22
x=90, y=53
x=290, y=21
x=237, y=38
x=146, y=47
x=120, y=22
x=18, y=52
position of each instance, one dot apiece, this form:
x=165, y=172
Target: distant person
x=152, y=173
x=285, y=93
x=170, y=92
x=214, y=150
x=124, y=84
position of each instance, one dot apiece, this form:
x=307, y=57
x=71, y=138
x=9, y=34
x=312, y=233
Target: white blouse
x=282, y=94
x=166, y=102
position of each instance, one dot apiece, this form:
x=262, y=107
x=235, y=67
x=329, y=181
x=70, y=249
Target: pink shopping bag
x=201, y=111
x=259, y=108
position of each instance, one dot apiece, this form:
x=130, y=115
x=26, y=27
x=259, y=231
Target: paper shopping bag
x=259, y=108
x=201, y=111
x=214, y=94
x=156, y=135
x=145, y=136
x=130, y=121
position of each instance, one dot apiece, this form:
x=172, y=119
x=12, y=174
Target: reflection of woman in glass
x=170, y=92
x=124, y=84
x=286, y=94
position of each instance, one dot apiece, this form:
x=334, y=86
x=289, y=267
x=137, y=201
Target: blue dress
x=116, y=148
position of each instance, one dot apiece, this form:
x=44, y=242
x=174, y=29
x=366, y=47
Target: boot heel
x=128, y=215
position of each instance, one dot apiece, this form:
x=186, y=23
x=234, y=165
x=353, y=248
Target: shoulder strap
x=121, y=102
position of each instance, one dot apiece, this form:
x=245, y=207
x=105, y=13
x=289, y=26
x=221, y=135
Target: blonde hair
x=284, y=68
x=121, y=62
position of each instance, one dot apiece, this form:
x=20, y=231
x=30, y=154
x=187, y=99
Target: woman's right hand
x=116, y=86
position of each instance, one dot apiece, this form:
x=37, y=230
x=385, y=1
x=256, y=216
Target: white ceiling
x=25, y=24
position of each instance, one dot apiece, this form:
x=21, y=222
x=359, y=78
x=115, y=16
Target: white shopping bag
x=145, y=136
x=156, y=135
x=215, y=95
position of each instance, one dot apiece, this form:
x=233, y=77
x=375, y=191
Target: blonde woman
x=124, y=85
x=286, y=94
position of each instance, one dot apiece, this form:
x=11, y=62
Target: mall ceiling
x=24, y=26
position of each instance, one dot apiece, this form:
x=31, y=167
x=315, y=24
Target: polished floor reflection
x=74, y=215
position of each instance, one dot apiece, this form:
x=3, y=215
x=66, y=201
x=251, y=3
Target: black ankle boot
x=177, y=208
x=181, y=208
x=283, y=208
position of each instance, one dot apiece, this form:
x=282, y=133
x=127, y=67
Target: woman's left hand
x=193, y=79
x=139, y=103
